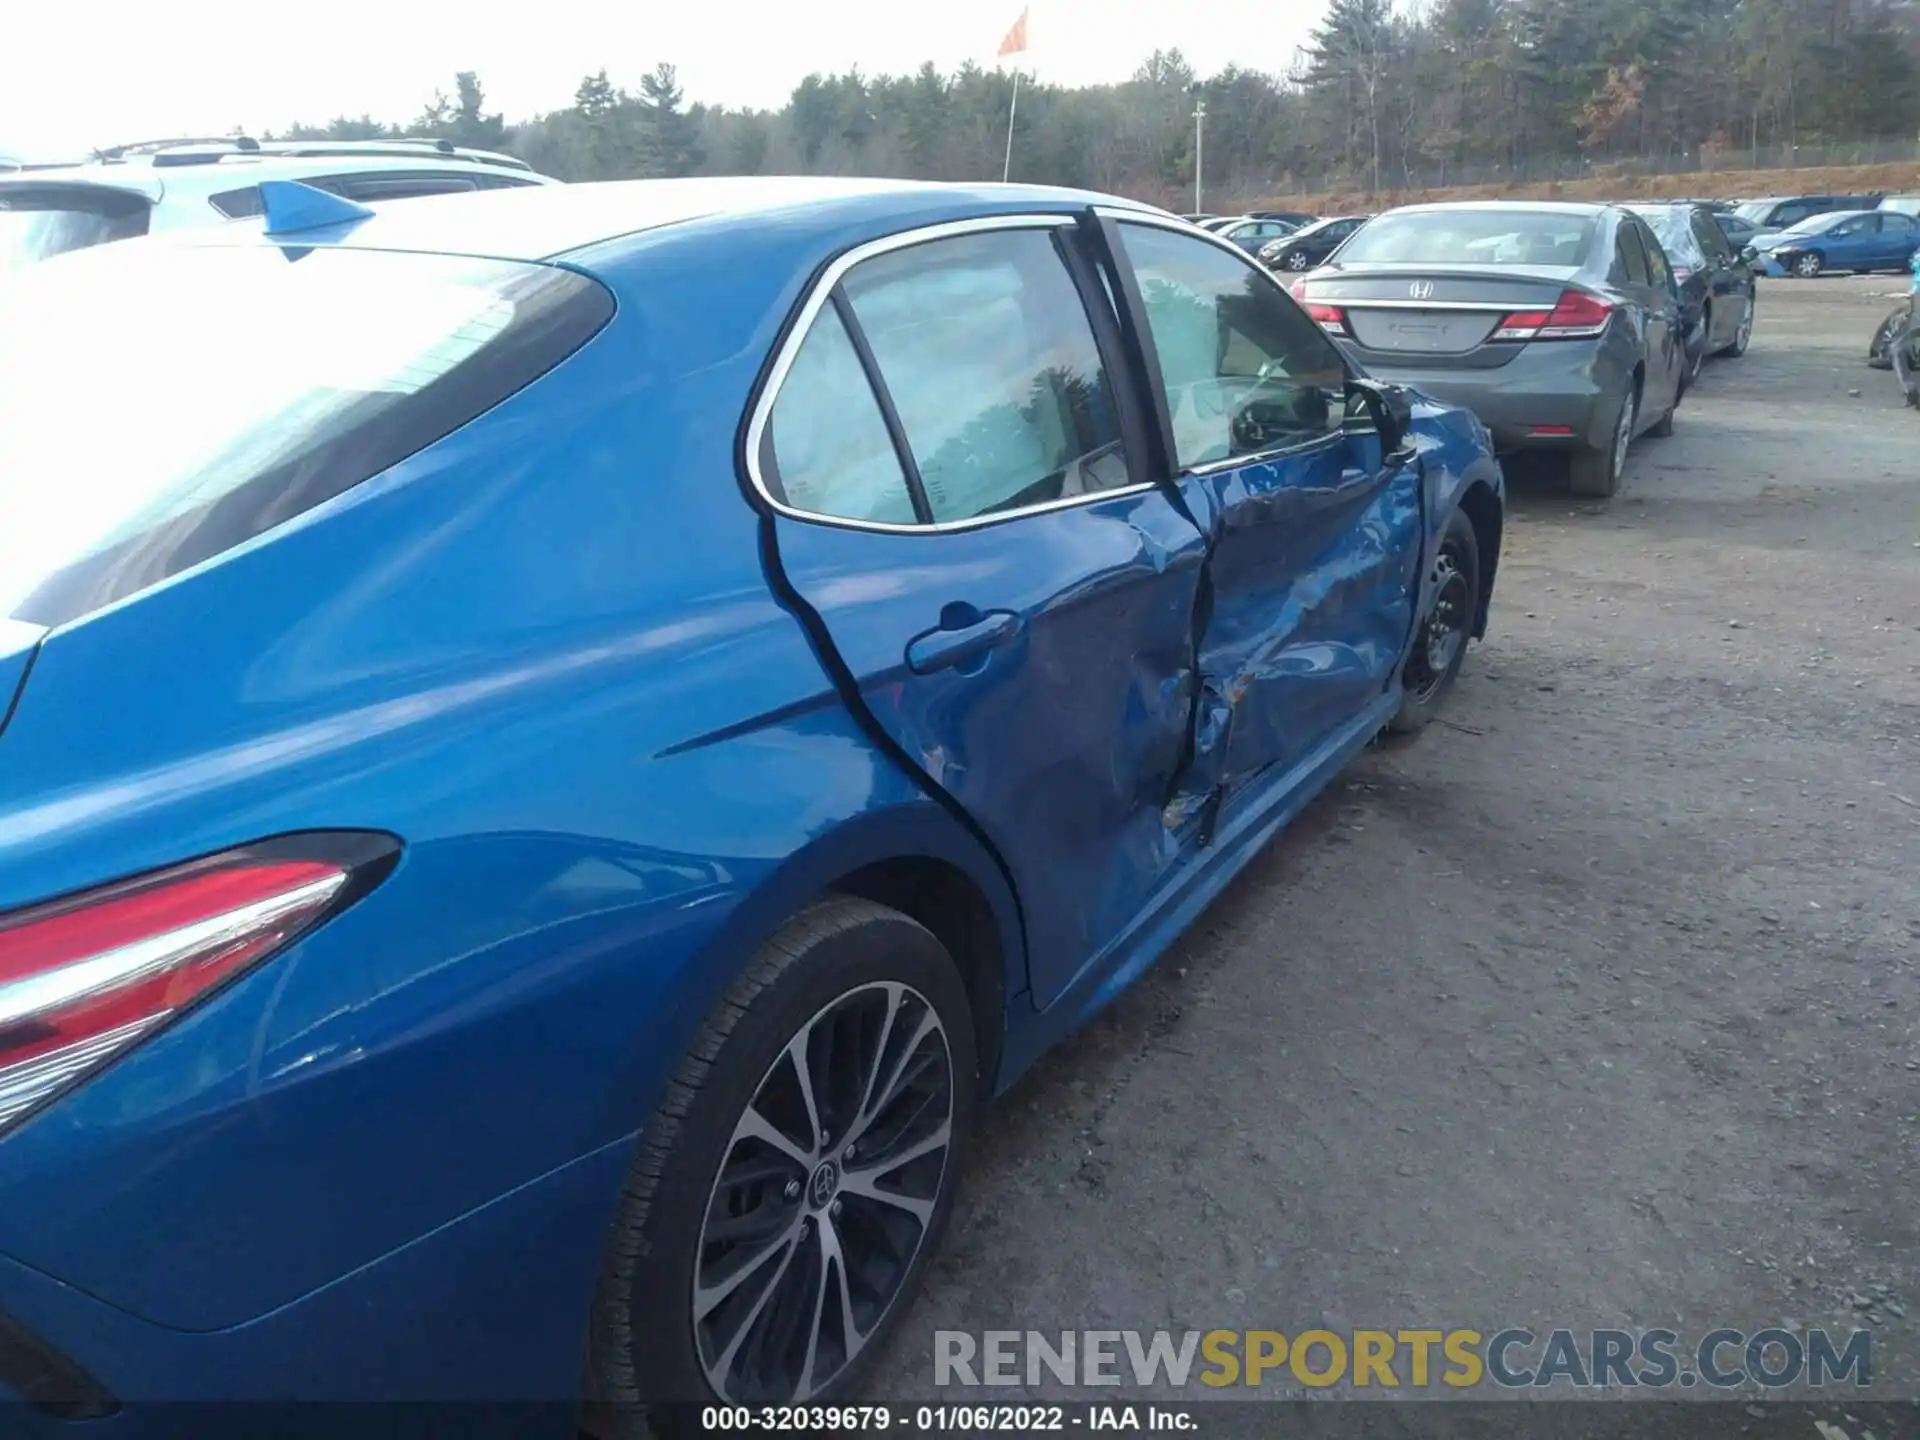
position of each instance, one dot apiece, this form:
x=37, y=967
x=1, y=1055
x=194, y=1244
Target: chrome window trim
x=810, y=308
x=1261, y=457
x=1486, y=307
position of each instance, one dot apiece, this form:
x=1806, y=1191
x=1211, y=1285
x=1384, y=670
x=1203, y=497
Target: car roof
x=244, y=169
x=1551, y=207
x=544, y=222
x=238, y=172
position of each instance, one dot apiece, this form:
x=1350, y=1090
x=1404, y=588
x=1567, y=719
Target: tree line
x=1384, y=95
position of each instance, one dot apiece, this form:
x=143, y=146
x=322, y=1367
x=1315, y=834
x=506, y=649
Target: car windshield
x=1472, y=237
x=1756, y=210
x=160, y=404
x=38, y=224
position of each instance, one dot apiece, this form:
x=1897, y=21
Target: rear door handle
x=964, y=634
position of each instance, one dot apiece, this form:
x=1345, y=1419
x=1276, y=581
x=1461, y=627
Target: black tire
x=852, y=968
x=1437, y=654
x=1809, y=265
x=1296, y=260
x=1880, y=348
x=1596, y=473
x=1696, y=364
x=1662, y=428
x=1737, y=347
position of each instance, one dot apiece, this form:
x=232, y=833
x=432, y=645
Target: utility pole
x=1199, y=148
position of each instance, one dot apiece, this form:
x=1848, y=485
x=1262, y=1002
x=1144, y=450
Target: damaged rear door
x=1314, y=536
x=962, y=513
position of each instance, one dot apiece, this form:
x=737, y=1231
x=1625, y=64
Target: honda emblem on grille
x=1420, y=289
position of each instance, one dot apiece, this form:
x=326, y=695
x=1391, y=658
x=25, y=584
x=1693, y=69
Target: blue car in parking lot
x=1857, y=240
x=558, y=743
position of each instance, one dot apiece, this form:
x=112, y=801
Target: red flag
x=1016, y=41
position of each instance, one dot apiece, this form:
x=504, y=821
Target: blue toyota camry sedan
x=559, y=744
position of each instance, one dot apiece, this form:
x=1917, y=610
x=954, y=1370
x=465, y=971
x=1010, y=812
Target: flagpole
x=1013, y=105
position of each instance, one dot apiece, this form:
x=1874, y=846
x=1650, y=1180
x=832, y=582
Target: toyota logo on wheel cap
x=1420, y=289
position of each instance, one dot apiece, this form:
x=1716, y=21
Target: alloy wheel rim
x=1808, y=265
x=824, y=1196
x=1445, y=628
x=1296, y=261
x=1745, y=333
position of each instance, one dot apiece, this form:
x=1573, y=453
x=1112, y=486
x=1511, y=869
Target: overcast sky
x=96, y=72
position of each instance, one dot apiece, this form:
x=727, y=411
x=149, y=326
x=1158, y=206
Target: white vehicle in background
x=164, y=185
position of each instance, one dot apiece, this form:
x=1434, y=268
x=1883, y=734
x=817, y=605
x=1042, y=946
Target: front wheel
x=1809, y=265
x=1441, y=646
x=791, y=1187
x=1296, y=261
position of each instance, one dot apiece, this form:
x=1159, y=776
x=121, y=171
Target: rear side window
x=245, y=385
x=244, y=202
x=1631, y=256
x=38, y=223
x=395, y=187
x=988, y=356
x=827, y=450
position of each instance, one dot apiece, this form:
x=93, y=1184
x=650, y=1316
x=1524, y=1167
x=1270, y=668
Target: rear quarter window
x=245, y=386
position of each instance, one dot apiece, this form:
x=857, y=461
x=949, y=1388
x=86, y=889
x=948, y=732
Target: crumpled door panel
x=1310, y=591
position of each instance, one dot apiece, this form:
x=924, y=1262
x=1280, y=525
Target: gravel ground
x=1596, y=1005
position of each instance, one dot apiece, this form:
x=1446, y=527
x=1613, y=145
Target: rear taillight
x=1577, y=315
x=1332, y=318
x=1682, y=274
x=1298, y=290
x=1522, y=324
x=84, y=978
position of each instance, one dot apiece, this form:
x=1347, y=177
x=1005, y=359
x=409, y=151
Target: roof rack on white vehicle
x=211, y=150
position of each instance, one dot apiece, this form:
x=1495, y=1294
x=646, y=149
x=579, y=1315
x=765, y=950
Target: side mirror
x=1749, y=255
x=1389, y=406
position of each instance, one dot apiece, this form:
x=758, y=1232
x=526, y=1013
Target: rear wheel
x=791, y=1187
x=1809, y=264
x=1697, y=361
x=1441, y=646
x=1880, y=348
x=1742, y=336
x=1597, y=472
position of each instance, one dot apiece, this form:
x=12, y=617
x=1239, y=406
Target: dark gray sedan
x=1717, y=288
x=1557, y=324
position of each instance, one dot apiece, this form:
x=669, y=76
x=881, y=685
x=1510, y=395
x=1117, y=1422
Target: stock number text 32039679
x=942, y=1419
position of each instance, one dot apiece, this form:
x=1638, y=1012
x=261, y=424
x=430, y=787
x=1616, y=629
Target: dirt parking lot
x=1595, y=1006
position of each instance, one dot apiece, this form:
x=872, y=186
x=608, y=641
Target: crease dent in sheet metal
x=1283, y=664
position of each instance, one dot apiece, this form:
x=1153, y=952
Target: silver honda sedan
x=1557, y=324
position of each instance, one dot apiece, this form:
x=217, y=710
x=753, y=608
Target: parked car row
x=162, y=185
x=1565, y=327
